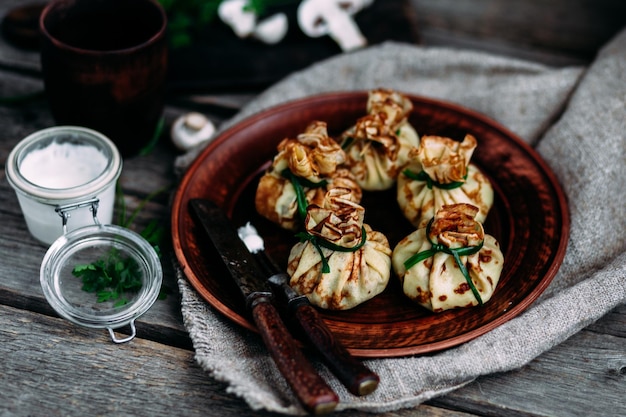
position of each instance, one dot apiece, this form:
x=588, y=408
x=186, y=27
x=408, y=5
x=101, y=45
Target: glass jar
x=65, y=293
x=64, y=178
x=63, y=166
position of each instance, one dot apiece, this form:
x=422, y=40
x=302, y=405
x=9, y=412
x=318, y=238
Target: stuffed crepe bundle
x=377, y=146
x=340, y=262
x=440, y=173
x=450, y=263
x=302, y=171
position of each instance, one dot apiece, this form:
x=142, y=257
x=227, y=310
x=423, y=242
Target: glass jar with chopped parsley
x=102, y=276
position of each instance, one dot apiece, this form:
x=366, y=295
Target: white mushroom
x=334, y=18
x=190, y=129
x=273, y=29
x=243, y=22
x=235, y=15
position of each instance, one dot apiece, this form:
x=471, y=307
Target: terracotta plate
x=529, y=218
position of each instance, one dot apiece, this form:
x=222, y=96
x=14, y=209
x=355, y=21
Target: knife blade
x=352, y=373
x=312, y=391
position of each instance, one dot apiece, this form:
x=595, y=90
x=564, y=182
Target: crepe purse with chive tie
x=450, y=263
x=440, y=173
x=378, y=145
x=302, y=171
x=340, y=262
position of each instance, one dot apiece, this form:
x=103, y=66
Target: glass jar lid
x=101, y=276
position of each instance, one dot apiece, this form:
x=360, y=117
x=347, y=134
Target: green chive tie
x=456, y=253
x=299, y=184
x=319, y=242
x=430, y=183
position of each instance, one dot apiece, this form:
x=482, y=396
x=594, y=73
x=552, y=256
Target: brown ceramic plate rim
x=528, y=172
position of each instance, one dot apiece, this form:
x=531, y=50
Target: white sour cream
x=63, y=165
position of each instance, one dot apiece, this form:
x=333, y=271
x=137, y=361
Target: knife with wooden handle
x=312, y=391
x=352, y=373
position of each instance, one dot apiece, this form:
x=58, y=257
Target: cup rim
x=60, y=44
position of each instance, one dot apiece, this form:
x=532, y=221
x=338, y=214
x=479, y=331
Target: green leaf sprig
x=318, y=243
x=114, y=275
x=456, y=254
x=298, y=184
x=186, y=17
x=430, y=183
x=110, y=277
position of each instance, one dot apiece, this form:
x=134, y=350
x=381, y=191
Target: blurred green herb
x=156, y=135
x=114, y=275
x=187, y=17
x=260, y=6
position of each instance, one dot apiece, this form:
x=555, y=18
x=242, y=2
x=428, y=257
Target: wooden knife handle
x=312, y=391
x=356, y=377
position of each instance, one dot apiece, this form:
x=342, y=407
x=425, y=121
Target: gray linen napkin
x=576, y=119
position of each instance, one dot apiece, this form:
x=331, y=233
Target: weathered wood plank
x=585, y=375
x=613, y=324
x=10, y=56
x=558, y=32
x=52, y=368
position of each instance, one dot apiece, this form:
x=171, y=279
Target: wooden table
x=51, y=367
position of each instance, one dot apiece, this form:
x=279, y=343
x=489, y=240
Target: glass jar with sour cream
x=64, y=167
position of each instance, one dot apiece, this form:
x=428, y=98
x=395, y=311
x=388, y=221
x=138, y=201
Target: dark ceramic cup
x=104, y=64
